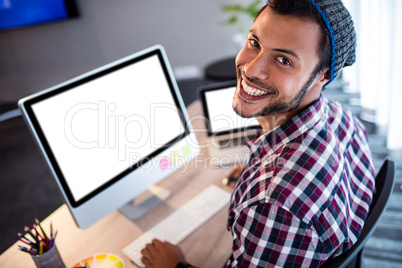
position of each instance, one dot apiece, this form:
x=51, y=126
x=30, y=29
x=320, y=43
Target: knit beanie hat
x=339, y=25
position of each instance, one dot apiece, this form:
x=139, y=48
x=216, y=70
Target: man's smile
x=251, y=93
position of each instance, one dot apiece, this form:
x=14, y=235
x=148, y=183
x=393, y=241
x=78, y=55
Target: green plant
x=238, y=10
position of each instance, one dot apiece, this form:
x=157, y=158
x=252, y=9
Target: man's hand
x=161, y=254
x=233, y=176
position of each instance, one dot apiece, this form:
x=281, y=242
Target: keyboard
x=182, y=222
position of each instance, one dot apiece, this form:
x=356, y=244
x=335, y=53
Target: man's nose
x=258, y=67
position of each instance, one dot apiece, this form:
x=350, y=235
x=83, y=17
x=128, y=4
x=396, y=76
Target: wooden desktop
x=209, y=246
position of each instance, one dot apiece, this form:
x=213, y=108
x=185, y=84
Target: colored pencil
x=40, y=227
x=26, y=229
x=41, y=244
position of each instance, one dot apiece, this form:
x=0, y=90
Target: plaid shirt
x=305, y=193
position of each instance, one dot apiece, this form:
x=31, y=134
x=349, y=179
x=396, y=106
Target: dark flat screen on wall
x=23, y=13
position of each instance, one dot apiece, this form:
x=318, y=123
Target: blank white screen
x=99, y=129
x=221, y=114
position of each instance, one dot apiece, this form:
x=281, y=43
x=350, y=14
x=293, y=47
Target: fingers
x=157, y=242
x=169, y=244
x=161, y=254
x=146, y=262
x=147, y=255
x=149, y=252
x=152, y=248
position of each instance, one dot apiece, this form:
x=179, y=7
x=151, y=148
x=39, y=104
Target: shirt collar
x=289, y=130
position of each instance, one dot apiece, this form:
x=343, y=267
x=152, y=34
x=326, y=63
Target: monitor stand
x=145, y=202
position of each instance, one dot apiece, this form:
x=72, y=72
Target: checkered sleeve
x=266, y=235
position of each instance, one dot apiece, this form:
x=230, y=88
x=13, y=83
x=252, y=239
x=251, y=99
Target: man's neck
x=270, y=122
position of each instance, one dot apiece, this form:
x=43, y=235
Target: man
x=305, y=193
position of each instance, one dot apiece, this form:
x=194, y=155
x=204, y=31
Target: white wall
x=35, y=58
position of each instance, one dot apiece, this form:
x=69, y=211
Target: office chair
x=384, y=185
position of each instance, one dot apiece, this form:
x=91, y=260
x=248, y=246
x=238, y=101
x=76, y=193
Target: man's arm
x=266, y=235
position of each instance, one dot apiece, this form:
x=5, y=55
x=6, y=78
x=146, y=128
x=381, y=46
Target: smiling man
x=305, y=193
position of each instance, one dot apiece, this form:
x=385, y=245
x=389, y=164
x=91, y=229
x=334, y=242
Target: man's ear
x=324, y=76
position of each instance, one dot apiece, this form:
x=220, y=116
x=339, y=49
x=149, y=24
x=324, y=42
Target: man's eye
x=283, y=60
x=254, y=43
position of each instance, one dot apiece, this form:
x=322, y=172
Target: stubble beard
x=276, y=107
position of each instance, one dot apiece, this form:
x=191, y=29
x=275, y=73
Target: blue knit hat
x=339, y=24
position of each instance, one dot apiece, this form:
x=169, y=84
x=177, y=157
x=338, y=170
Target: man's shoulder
x=337, y=115
x=303, y=179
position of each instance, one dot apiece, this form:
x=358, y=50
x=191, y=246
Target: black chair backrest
x=384, y=184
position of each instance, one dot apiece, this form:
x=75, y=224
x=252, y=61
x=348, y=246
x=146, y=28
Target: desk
x=209, y=246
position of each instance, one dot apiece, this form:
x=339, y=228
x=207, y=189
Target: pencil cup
x=49, y=259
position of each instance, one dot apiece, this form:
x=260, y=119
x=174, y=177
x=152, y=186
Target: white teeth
x=252, y=91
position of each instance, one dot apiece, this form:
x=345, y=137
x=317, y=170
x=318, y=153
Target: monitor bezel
x=26, y=105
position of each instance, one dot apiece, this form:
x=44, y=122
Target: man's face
x=274, y=68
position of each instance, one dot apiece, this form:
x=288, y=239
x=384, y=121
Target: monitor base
x=145, y=202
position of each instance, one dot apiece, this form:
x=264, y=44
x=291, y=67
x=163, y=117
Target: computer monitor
x=24, y=13
x=228, y=133
x=220, y=118
x=112, y=133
